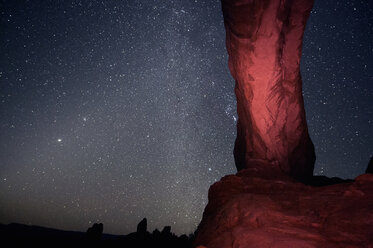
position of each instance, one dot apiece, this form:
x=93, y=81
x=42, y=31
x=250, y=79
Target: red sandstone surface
x=264, y=42
x=251, y=209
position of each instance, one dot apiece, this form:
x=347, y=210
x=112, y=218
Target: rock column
x=264, y=43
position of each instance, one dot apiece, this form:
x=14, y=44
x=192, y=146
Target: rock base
x=252, y=209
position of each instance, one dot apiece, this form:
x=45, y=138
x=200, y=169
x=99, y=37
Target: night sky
x=112, y=111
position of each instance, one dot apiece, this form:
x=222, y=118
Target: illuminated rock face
x=264, y=42
x=253, y=210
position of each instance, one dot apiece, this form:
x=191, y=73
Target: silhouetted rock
x=164, y=239
x=248, y=210
x=17, y=235
x=142, y=226
x=325, y=181
x=264, y=43
x=166, y=230
x=156, y=232
x=94, y=233
x=370, y=166
x=183, y=238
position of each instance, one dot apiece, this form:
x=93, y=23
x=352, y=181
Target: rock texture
x=253, y=209
x=265, y=205
x=264, y=41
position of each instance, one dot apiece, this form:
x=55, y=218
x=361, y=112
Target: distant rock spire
x=142, y=227
x=94, y=233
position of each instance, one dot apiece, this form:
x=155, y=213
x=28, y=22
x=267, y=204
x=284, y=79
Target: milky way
x=112, y=111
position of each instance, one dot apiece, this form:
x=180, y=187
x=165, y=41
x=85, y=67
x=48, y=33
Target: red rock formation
x=264, y=205
x=264, y=41
x=252, y=209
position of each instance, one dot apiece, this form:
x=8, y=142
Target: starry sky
x=112, y=111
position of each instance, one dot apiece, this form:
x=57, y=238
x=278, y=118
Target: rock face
x=265, y=205
x=264, y=41
x=252, y=209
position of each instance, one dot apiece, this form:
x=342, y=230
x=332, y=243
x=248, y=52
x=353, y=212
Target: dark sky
x=112, y=111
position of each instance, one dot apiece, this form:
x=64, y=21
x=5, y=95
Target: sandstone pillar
x=264, y=43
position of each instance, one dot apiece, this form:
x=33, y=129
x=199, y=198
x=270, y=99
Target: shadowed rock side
x=370, y=166
x=264, y=42
x=251, y=209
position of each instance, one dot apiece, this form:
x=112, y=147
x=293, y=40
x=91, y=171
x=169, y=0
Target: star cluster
x=112, y=111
